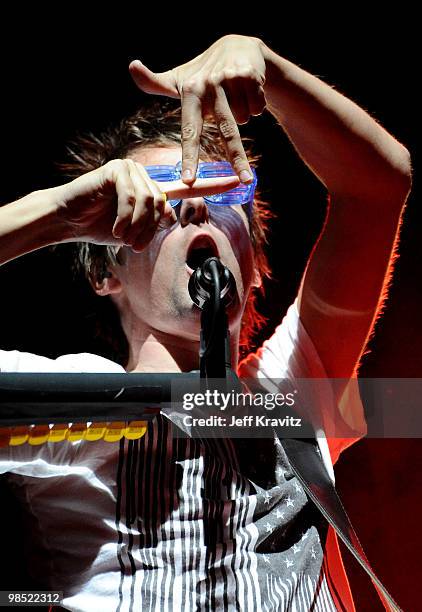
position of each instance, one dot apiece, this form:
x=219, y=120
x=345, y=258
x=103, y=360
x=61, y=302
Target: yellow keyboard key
x=76, y=432
x=38, y=434
x=95, y=432
x=135, y=430
x=19, y=435
x=114, y=431
x=58, y=432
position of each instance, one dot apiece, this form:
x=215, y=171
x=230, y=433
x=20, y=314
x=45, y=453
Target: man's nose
x=193, y=210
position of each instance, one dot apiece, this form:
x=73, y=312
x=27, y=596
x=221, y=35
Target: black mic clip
x=212, y=275
x=212, y=288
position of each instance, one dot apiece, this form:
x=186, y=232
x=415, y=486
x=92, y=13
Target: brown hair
x=159, y=124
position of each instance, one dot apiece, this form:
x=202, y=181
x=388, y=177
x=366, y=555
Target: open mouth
x=200, y=249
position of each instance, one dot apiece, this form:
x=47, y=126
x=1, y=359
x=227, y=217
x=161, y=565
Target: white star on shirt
x=298, y=487
x=280, y=472
x=279, y=514
x=265, y=558
x=313, y=554
x=290, y=502
x=267, y=497
x=296, y=548
x=269, y=528
x=288, y=562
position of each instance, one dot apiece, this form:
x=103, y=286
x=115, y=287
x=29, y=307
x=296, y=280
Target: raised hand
x=118, y=204
x=225, y=82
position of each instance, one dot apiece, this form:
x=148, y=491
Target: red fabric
x=333, y=563
x=336, y=574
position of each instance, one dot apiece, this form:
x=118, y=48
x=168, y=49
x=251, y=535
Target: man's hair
x=157, y=125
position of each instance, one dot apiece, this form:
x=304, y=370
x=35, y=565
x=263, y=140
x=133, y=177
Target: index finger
x=231, y=137
x=192, y=123
x=178, y=190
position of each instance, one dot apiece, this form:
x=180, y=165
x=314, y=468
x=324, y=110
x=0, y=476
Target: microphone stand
x=212, y=288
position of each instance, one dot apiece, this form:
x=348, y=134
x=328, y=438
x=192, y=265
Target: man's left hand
x=225, y=82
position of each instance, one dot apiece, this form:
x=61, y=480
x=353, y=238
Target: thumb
x=158, y=83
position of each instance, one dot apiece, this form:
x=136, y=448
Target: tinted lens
x=240, y=195
x=213, y=169
x=163, y=173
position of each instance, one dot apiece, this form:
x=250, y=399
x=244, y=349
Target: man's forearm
x=345, y=148
x=29, y=224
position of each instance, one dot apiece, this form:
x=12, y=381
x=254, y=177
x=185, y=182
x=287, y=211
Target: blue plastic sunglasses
x=242, y=194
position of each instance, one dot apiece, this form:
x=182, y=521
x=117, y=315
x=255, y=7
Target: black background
x=62, y=73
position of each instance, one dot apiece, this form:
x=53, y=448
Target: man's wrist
x=275, y=73
x=42, y=212
x=61, y=230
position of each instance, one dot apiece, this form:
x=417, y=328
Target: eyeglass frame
x=168, y=172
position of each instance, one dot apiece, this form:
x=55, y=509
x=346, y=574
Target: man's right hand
x=118, y=204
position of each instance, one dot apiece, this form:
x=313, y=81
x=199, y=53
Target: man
x=211, y=524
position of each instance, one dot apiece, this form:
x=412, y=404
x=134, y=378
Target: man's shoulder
x=276, y=353
x=18, y=361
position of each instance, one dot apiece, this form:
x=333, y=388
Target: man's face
x=154, y=283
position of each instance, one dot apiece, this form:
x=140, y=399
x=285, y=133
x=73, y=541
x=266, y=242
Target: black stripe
x=245, y=539
x=148, y=505
x=142, y=518
x=166, y=493
x=216, y=516
x=140, y=496
x=228, y=482
x=230, y=478
x=154, y=505
x=197, y=507
x=146, y=502
x=128, y=483
x=183, y=552
x=206, y=514
x=131, y=467
x=154, y=489
x=133, y=482
x=209, y=494
x=118, y=516
x=173, y=501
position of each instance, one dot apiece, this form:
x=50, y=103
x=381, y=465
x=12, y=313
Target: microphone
x=212, y=281
x=212, y=288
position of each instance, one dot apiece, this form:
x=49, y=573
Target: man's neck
x=154, y=351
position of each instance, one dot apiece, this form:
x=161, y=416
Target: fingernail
x=245, y=176
x=187, y=174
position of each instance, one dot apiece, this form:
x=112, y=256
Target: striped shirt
x=170, y=523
